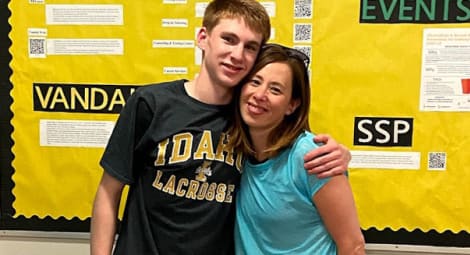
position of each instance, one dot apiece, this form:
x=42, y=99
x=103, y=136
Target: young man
x=168, y=145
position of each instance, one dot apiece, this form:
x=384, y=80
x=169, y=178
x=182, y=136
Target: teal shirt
x=275, y=212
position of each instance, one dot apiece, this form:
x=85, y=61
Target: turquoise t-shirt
x=275, y=212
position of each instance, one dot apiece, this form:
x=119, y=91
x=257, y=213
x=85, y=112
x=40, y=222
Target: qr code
x=437, y=160
x=37, y=46
x=303, y=9
x=305, y=49
x=302, y=33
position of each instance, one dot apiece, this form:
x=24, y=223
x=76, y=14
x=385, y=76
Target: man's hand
x=329, y=159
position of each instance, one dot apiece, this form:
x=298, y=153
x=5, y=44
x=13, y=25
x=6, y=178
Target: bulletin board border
x=7, y=212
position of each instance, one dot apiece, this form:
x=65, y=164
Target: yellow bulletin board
x=74, y=64
x=386, y=81
x=373, y=76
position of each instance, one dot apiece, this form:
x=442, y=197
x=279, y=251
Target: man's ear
x=201, y=37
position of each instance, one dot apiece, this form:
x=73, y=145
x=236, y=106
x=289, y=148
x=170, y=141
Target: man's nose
x=237, y=51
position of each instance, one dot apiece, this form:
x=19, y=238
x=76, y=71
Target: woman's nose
x=260, y=93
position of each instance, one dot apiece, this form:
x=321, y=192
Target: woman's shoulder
x=304, y=142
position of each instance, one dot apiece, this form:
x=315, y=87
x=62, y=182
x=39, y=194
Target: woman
x=280, y=208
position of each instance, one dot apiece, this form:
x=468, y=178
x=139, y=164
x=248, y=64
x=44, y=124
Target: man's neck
x=208, y=92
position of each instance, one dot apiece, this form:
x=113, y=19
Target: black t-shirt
x=170, y=149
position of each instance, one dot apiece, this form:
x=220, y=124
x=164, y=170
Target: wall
x=58, y=243
x=42, y=243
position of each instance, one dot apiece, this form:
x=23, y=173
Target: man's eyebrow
x=228, y=33
x=252, y=43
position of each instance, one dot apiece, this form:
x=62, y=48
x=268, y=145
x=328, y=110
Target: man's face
x=230, y=51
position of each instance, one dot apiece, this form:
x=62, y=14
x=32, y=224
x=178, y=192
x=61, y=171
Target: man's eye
x=252, y=48
x=228, y=39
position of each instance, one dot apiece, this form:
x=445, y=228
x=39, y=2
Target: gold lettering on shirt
x=181, y=146
x=170, y=185
x=202, y=191
x=220, y=194
x=205, y=149
x=156, y=183
x=211, y=191
x=182, y=183
x=221, y=148
x=228, y=197
x=160, y=161
x=181, y=141
x=192, y=189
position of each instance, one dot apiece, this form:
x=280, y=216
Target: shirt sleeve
x=118, y=158
x=307, y=184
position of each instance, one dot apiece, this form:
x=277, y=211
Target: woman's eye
x=276, y=90
x=255, y=82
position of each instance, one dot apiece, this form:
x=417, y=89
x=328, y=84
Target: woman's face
x=267, y=97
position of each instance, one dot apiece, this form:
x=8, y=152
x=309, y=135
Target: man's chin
x=231, y=82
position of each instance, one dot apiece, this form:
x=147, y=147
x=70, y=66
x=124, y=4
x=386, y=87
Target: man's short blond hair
x=251, y=11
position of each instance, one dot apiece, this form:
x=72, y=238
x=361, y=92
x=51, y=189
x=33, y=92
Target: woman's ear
x=292, y=106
